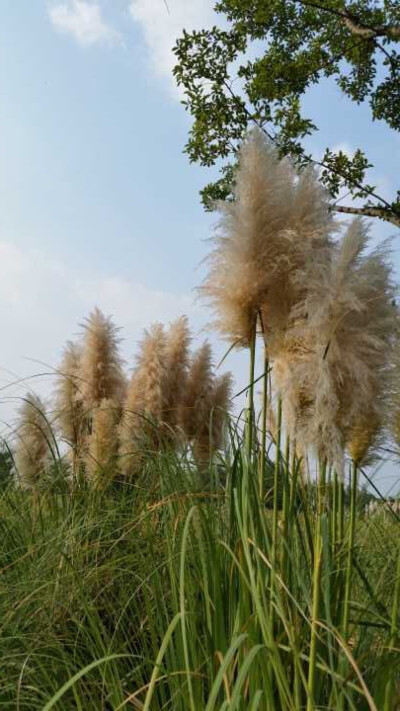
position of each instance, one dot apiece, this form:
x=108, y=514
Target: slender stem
x=294, y=478
x=276, y=505
x=316, y=592
x=350, y=546
x=261, y=474
x=348, y=574
x=292, y=503
x=393, y=637
x=341, y=512
x=276, y=479
x=285, y=507
x=334, y=512
x=250, y=413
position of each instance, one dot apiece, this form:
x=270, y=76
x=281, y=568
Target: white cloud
x=83, y=20
x=42, y=303
x=344, y=148
x=162, y=23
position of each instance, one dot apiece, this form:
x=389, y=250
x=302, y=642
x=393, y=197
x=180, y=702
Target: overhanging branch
x=380, y=212
x=354, y=24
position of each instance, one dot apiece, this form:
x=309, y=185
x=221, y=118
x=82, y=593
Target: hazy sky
x=98, y=204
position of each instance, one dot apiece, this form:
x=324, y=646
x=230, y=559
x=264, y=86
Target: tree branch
x=379, y=212
x=354, y=24
x=385, y=210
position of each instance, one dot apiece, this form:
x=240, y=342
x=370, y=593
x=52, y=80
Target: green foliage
x=297, y=44
x=158, y=595
x=6, y=465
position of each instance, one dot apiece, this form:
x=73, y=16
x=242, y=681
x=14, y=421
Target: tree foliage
x=257, y=69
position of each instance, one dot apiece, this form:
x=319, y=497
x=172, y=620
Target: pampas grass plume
x=220, y=408
x=145, y=399
x=333, y=368
x=33, y=453
x=152, y=370
x=69, y=399
x=177, y=360
x=131, y=421
x=199, y=389
x=101, y=366
x=102, y=447
x=365, y=437
x=276, y=221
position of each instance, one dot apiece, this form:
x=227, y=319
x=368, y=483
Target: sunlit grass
x=160, y=594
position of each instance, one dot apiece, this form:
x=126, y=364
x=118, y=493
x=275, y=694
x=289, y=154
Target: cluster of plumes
x=173, y=397
x=325, y=307
x=111, y=423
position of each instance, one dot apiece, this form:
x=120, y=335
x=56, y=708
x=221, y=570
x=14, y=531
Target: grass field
x=172, y=594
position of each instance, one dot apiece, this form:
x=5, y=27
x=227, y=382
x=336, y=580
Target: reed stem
x=340, y=512
x=335, y=502
x=250, y=412
x=316, y=591
x=285, y=508
x=348, y=574
x=350, y=546
x=275, y=505
x=393, y=638
x=261, y=475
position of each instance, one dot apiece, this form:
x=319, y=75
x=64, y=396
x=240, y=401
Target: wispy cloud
x=84, y=21
x=162, y=23
x=42, y=303
x=345, y=148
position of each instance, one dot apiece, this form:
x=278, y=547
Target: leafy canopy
x=259, y=67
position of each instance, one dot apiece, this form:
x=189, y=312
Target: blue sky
x=98, y=204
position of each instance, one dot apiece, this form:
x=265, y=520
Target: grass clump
x=169, y=589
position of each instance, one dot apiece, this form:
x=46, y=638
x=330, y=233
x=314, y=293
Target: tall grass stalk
x=264, y=412
x=286, y=508
x=250, y=410
x=350, y=551
x=393, y=640
x=277, y=467
x=335, y=509
x=316, y=586
x=343, y=665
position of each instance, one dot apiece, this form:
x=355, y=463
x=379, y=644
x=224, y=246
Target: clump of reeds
x=334, y=364
x=325, y=311
x=277, y=222
x=172, y=399
x=167, y=401
x=90, y=374
x=34, y=452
